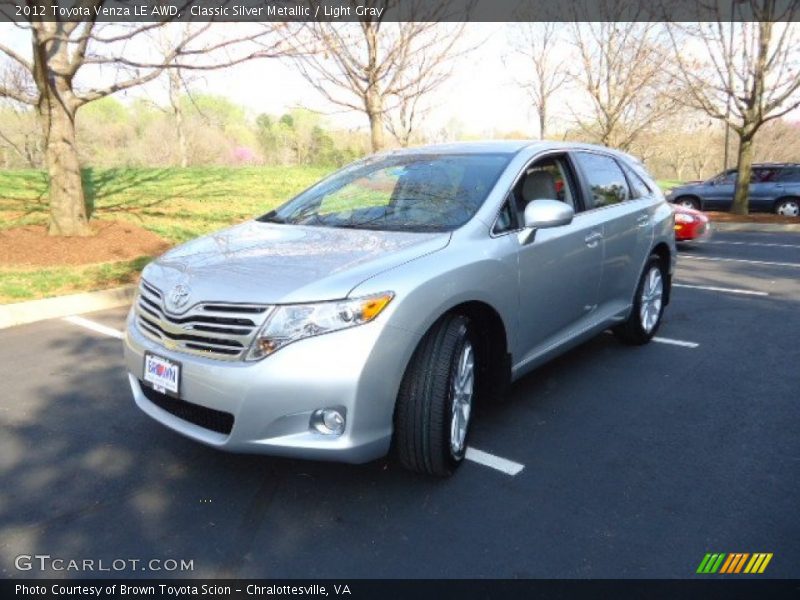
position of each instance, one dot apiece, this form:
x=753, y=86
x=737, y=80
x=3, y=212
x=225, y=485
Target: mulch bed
x=726, y=217
x=113, y=241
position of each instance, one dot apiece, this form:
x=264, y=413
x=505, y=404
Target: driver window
x=546, y=179
x=725, y=178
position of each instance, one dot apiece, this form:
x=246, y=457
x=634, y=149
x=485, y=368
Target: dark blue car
x=775, y=187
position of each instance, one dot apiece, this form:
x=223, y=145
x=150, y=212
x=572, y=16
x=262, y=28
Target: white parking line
x=509, y=467
x=741, y=260
x=93, y=326
x=712, y=288
x=671, y=342
x=764, y=244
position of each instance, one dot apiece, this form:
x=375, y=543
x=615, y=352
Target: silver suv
x=373, y=311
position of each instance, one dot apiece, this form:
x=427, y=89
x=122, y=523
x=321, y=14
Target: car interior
x=546, y=179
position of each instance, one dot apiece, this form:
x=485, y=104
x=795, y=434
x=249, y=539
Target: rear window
x=765, y=174
x=789, y=174
x=639, y=188
x=605, y=177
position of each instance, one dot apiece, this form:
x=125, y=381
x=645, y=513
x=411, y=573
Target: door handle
x=593, y=239
x=643, y=220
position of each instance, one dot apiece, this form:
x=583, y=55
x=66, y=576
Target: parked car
x=690, y=224
x=377, y=307
x=775, y=187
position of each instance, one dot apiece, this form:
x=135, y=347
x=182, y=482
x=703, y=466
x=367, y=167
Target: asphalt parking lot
x=629, y=462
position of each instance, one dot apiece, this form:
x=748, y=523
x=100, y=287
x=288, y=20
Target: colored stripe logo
x=735, y=562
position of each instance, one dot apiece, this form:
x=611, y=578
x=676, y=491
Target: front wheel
x=788, y=207
x=434, y=405
x=648, y=306
x=688, y=202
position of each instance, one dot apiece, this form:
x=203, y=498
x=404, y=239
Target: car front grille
x=213, y=329
x=208, y=418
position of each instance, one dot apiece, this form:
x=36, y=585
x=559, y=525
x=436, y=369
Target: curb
x=20, y=313
x=769, y=227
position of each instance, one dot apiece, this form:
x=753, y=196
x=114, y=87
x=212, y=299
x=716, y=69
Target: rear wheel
x=434, y=405
x=688, y=202
x=648, y=306
x=788, y=207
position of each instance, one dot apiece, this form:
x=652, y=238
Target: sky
x=482, y=95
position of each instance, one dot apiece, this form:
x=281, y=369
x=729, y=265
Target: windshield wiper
x=271, y=217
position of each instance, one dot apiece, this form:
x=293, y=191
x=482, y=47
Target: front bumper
x=356, y=370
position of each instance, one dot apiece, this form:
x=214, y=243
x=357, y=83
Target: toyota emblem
x=178, y=297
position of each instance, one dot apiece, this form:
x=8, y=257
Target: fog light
x=328, y=421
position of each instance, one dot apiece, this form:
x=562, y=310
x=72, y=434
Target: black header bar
x=20, y=11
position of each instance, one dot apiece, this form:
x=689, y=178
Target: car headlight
x=684, y=218
x=291, y=322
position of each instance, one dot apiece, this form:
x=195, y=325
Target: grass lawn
x=667, y=184
x=177, y=204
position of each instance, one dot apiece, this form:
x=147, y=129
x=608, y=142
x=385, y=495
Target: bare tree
x=621, y=69
x=120, y=57
x=744, y=74
x=403, y=120
x=176, y=84
x=18, y=134
x=375, y=67
x=547, y=72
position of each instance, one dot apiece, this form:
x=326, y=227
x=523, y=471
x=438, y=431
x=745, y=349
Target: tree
x=375, y=67
x=744, y=74
x=119, y=57
x=621, y=69
x=546, y=74
x=409, y=109
x=19, y=136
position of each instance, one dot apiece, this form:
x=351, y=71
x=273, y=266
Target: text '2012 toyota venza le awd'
x=376, y=308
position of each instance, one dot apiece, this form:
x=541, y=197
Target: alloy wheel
x=651, y=299
x=463, y=384
x=790, y=208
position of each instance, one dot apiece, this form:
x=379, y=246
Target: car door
x=787, y=182
x=626, y=213
x=718, y=194
x=763, y=190
x=560, y=269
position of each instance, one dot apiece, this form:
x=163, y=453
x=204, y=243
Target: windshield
x=398, y=193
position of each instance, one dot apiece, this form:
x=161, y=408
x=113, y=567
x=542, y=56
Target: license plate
x=163, y=374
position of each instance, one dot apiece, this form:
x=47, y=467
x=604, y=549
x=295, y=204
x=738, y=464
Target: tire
x=688, y=202
x=642, y=325
x=426, y=436
x=789, y=207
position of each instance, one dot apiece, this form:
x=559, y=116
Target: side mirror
x=544, y=214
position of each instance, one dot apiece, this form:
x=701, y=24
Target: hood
x=689, y=185
x=268, y=263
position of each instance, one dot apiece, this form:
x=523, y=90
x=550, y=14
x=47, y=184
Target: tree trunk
x=744, y=167
x=374, y=107
x=376, y=130
x=542, y=122
x=56, y=107
x=67, y=203
x=177, y=111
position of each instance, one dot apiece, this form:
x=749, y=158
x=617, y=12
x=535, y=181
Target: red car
x=690, y=224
